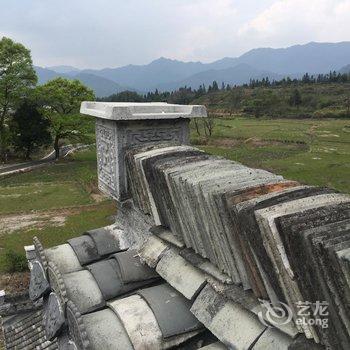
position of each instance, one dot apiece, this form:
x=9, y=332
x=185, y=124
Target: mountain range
x=167, y=74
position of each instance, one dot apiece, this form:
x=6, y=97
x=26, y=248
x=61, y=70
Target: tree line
x=34, y=116
x=185, y=95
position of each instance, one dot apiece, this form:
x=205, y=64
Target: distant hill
x=345, y=69
x=45, y=74
x=101, y=86
x=312, y=58
x=65, y=69
x=168, y=74
x=295, y=60
x=147, y=77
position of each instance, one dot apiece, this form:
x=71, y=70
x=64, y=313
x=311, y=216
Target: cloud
x=295, y=21
x=90, y=33
x=205, y=29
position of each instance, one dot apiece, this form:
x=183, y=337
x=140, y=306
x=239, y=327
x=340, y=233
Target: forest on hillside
x=322, y=96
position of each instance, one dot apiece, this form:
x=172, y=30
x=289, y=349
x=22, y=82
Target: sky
x=113, y=33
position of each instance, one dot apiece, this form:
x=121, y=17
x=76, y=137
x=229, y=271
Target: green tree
x=61, y=99
x=295, y=98
x=30, y=129
x=17, y=76
x=254, y=107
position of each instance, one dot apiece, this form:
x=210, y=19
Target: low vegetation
x=314, y=152
x=54, y=203
x=324, y=96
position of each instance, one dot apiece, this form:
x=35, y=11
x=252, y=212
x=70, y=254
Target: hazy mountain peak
x=168, y=74
x=64, y=69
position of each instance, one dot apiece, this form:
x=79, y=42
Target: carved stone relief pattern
x=135, y=137
x=106, y=155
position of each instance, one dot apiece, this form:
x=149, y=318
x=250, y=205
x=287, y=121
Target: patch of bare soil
x=39, y=219
x=225, y=142
x=15, y=282
x=256, y=142
x=14, y=222
x=253, y=141
x=98, y=197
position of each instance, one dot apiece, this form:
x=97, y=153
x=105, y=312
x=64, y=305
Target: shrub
x=15, y=262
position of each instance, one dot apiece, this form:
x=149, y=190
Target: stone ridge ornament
x=39, y=284
x=120, y=125
x=54, y=317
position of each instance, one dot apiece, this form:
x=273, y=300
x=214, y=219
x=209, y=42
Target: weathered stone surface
x=54, y=316
x=309, y=249
x=108, y=240
x=105, y=331
x=139, y=111
x=107, y=276
x=236, y=233
x=159, y=214
x=275, y=248
x=236, y=327
x=204, y=265
x=113, y=282
x=214, y=346
x=152, y=250
x=165, y=301
x=244, y=212
x=64, y=257
x=181, y=275
x=273, y=339
x=131, y=269
x=76, y=327
x=25, y=330
x=139, y=322
x=39, y=284
x=83, y=291
x=64, y=343
x=85, y=249
x=128, y=124
x=167, y=236
x=97, y=330
x=140, y=189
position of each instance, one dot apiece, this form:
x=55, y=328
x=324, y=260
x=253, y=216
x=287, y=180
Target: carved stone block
x=123, y=125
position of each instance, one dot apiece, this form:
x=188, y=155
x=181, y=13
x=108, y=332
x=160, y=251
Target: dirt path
x=39, y=219
x=23, y=167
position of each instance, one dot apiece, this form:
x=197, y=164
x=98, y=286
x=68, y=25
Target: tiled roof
x=22, y=323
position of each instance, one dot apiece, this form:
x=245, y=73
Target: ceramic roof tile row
x=268, y=234
x=26, y=331
x=108, y=299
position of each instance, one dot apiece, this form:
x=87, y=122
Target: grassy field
x=315, y=152
x=54, y=203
